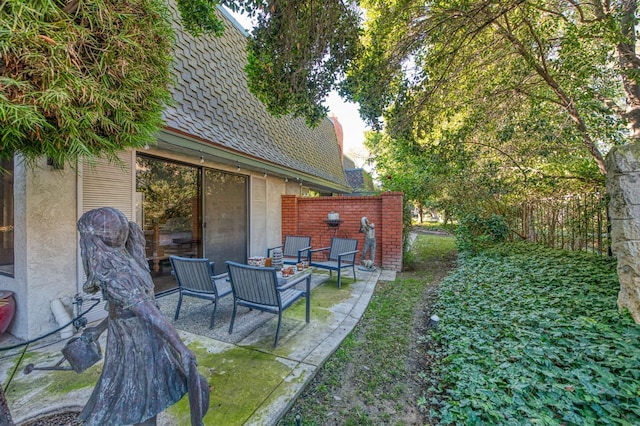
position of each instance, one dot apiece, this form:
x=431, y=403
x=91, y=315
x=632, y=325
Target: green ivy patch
x=530, y=335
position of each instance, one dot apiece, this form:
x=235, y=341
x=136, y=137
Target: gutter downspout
x=62, y=317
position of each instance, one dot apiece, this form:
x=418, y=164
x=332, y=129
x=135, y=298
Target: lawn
x=374, y=376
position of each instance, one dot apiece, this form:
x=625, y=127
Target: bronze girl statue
x=147, y=367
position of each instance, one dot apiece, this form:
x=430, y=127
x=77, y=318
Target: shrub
x=531, y=335
x=475, y=233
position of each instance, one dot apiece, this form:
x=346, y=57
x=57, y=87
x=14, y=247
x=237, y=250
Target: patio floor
x=252, y=382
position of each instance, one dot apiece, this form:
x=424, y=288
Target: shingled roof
x=213, y=104
x=360, y=181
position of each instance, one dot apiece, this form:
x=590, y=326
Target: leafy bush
x=475, y=232
x=530, y=335
x=408, y=260
x=82, y=78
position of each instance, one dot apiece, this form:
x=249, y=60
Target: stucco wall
x=45, y=246
x=46, y=252
x=51, y=244
x=275, y=189
x=265, y=214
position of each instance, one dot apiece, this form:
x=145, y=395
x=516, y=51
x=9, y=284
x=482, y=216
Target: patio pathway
x=252, y=382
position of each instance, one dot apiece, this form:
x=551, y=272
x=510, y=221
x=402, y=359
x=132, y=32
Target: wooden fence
x=576, y=222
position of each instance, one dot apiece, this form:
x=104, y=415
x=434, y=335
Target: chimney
x=339, y=134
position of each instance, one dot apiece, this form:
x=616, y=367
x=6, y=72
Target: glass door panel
x=226, y=215
x=168, y=212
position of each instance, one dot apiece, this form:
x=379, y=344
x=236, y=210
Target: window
x=6, y=218
x=168, y=211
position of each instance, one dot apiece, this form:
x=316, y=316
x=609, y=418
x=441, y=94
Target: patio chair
x=294, y=249
x=258, y=288
x=341, y=255
x=195, y=278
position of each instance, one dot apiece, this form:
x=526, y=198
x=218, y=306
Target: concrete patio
x=252, y=383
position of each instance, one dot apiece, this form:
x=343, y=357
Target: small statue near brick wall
x=368, y=229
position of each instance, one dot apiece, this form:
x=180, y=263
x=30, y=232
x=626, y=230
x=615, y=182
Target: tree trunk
x=629, y=64
x=623, y=176
x=623, y=180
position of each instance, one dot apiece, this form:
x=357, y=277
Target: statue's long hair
x=110, y=243
x=136, y=244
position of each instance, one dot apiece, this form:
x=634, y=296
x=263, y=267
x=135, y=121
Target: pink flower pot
x=7, y=309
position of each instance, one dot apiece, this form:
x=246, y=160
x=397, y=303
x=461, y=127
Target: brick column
x=391, y=238
x=289, y=215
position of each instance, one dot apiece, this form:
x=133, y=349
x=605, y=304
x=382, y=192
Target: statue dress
x=146, y=367
x=141, y=375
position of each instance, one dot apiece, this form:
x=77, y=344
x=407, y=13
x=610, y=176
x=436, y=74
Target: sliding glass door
x=190, y=211
x=226, y=215
x=168, y=211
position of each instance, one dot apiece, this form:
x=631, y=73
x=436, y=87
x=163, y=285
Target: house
x=359, y=180
x=211, y=186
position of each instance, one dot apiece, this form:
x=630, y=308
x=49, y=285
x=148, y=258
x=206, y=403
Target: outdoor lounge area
x=251, y=381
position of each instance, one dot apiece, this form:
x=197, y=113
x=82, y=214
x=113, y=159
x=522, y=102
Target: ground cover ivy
x=530, y=335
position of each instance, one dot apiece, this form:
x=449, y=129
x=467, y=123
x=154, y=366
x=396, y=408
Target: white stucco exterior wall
x=45, y=246
x=51, y=244
x=275, y=189
x=47, y=204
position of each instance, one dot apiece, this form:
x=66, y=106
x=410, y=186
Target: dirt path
x=349, y=391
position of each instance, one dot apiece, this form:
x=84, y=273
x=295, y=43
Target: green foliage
x=530, y=335
x=296, y=52
x=85, y=79
x=475, y=232
x=487, y=103
x=200, y=17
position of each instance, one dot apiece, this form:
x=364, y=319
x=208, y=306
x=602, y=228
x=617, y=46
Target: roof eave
x=178, y=141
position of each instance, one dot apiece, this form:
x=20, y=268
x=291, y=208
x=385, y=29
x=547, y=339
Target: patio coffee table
x=297, y=276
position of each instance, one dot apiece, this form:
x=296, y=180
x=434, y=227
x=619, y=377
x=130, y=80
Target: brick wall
x=306, y=216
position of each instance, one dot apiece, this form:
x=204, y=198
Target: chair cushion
x=330, y=264
x=289, y=296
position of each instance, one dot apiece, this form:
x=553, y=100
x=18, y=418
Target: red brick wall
x=306, y=215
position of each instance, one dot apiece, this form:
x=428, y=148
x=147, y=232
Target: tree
x=520, y=92
x=297, y=51
x=90, y=79
x=572, y=62
x=83, y=78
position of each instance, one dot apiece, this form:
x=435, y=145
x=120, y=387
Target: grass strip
x=372, y=357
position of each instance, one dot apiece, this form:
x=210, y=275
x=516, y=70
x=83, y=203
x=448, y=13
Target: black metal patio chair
x=195, y=278
x=294, y=250
x=341, y=255
x=257, y=287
